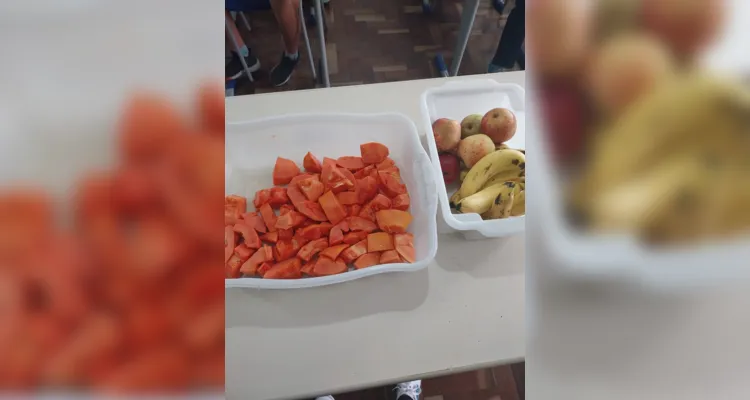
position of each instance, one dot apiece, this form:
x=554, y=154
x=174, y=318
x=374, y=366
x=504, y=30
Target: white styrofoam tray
x=579, y=254
x=456, y=100
x=252, y=148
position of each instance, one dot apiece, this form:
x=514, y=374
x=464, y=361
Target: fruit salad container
x=253, y=146
x=456, y=100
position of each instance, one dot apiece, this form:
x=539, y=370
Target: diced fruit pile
x=127, y=299
x=492, y=175
x=351, y=211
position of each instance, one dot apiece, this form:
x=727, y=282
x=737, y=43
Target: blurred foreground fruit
x=559, y=36
x=687, y=26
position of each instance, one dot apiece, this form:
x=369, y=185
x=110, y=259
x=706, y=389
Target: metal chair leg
x=245, y=21
x=307, y=41
x=321, y=37
x=237, y=49
x=468, y=15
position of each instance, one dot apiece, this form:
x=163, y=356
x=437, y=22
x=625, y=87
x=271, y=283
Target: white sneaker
x=411, y=389
x=329, y=397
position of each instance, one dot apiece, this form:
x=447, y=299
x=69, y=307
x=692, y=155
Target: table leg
x=322, y=40
x=468, y=15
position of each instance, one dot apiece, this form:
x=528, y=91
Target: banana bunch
x=673, y=168
x=494, y=187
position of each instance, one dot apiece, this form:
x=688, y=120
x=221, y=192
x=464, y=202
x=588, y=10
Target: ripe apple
x=450, y=167
x=447, y=134
x=499, y=124
x=474, y=148
x=688, y=26
x=471, y=125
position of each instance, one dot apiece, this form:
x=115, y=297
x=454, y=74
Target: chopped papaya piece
x=269, y=217
x=367, y=260
x=312, y=248
x=255, y=221
x=230, y=242
x=304, y=176
x=249, y=235
x=353, y=252
x=333, y=251
x=285, y=209
x=334, y=178
x=348, y=198
x=311, y=188
x=307, y=269
x=236, y=201
x=325, y=266
x=250, y=267
x=233, y=266
x=391, y=184
x=354, y=210
x=351, y=163
x=392, y=170
x=311, y=163
x=379, y=241
x=243, y=252
x=362, y=172
x=331, y=207
x=285, y=234
x=401, y=202
x=284, y=171
x=231, y=214
x=389, y=257
x=289, y=269
x=335, y=236
x=404, y=243
x=316, y=231
x=263, y=268
x=278, y=197
x=271, y=237
x=367, y=188
x=393, y=221
x=379, y=202
x=344, y=225
x=312, y=210
x=290, y=220
x=295, y=195
x=387, y=163
x=285, y=249
x=261, y=197
x=361, y=224
x=354, y=237
x=373, y=152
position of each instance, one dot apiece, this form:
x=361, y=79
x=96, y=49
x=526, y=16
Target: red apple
x=565, y=115
x=447, y=134
x=499, y=124
x=450, y=166
x=687, y=26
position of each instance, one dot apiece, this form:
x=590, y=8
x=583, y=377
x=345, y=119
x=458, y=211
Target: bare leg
x=287, y=15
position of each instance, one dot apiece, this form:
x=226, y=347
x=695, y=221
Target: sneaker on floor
x=329, y=397
x=408, y=390
x=234, y=69
x=281, y=73
x=492, y=68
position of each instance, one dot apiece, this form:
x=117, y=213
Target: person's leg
x=287, y=16
x=509, y=48
x=408, y=390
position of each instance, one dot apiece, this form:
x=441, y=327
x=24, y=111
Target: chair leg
x=307, y=40
x=245, y=21
x=237, y=49
x=322, y=39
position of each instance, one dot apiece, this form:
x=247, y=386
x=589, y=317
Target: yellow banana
x=454, y=199
x=497, y=162
x=481, y=201
x=463, y=174
x=504, y=177
x=519, y=204
x=501, y=146
x=502, y=204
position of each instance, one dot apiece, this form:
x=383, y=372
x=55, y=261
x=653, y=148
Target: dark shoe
x=234, y=69
x=281, y=73
x=408, y=390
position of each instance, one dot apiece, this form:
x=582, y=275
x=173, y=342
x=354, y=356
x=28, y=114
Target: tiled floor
x=378, y=41
x=499, y=383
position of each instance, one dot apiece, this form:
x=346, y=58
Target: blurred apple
x=559, y=35
x=624, y=68
x=565, y=115
x=688, y=26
